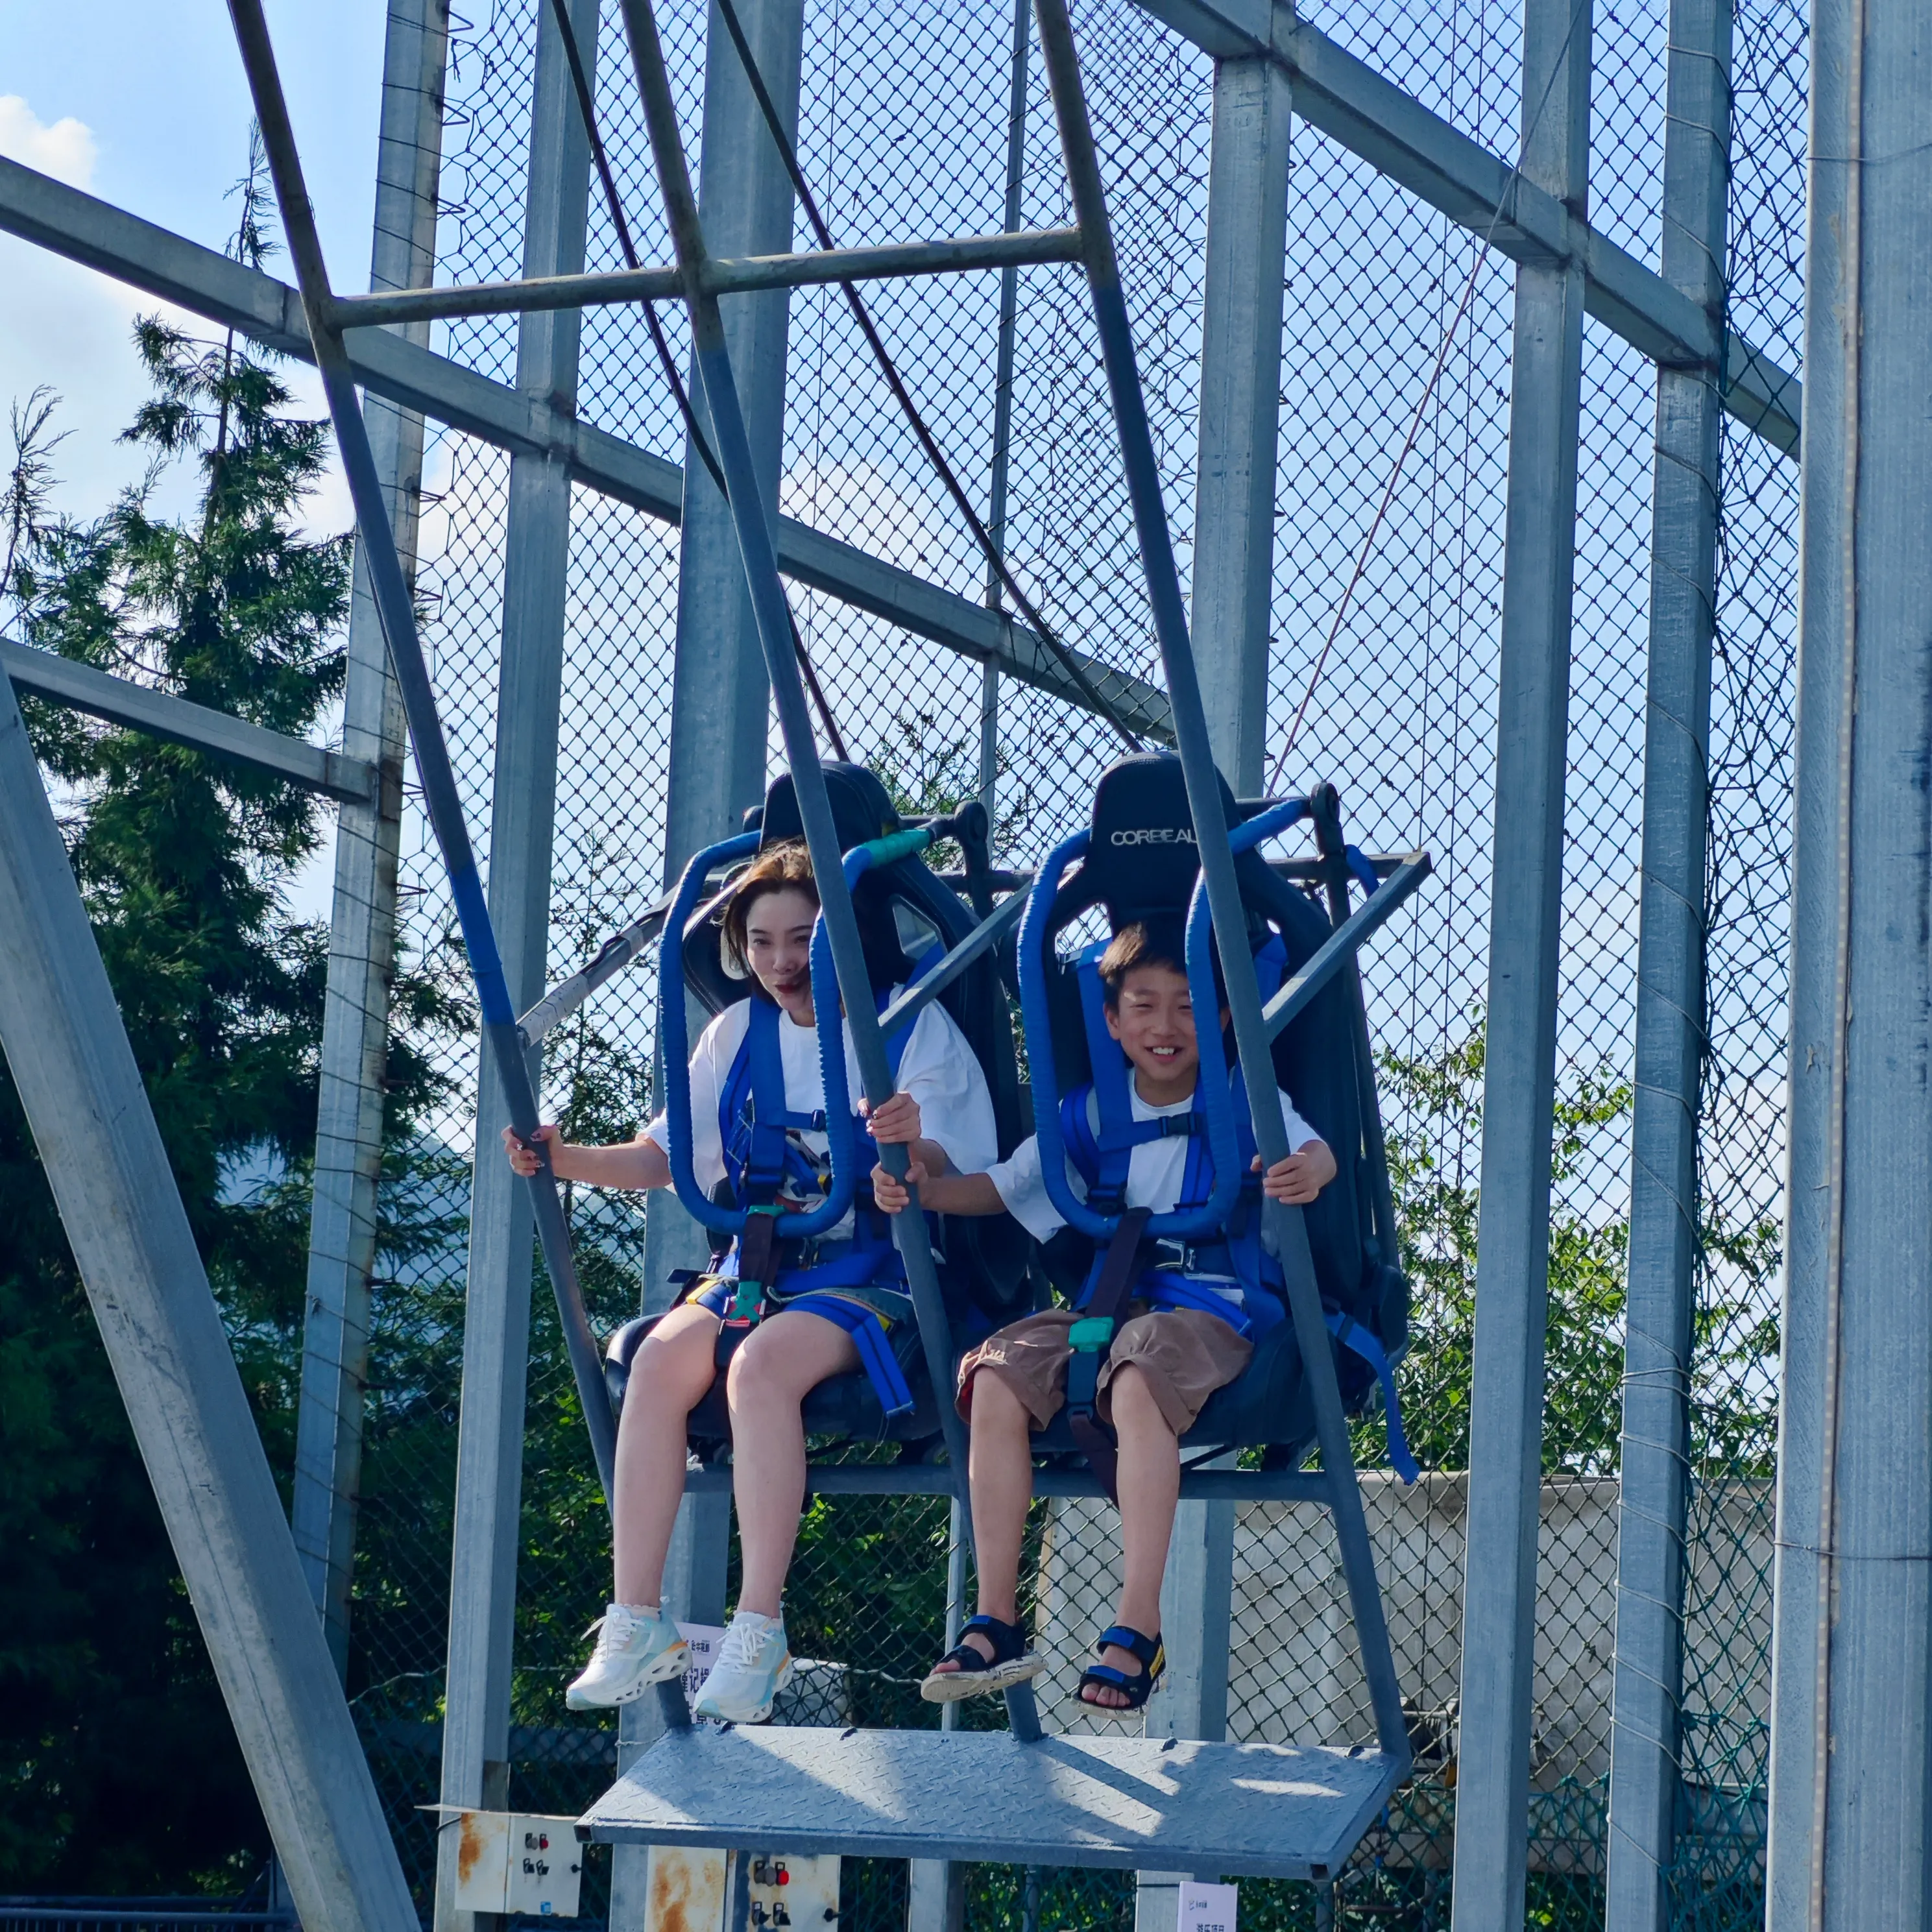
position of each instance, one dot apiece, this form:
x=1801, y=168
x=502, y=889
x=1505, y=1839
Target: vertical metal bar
x=1851, y=1762
x=934, y=1903
x=1645, y=1738
x=1240, y=409
x=75, y=1073
x=362, y=924
x=720, y=708
x=496, y=1316
x=694, y=1593
x=1282, y=1228
x=1512, y=1280
x=1003, y=400
x=1233, y=586
x=768, y=600
x=936, y=1897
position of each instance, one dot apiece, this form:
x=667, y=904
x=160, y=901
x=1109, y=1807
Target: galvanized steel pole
x=720, y=704
x=1283, y=1230
x=761, y=573
x=1233, y=592
x=496, y=1307
x=1240, y=409
x=362, y=923
x=1670, y=997
x=1004, y=352
x=1519, y=1088
x=75, y=1072
x=1851, y=1757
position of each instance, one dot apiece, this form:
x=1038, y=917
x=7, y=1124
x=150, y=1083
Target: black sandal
x=1013, y=1662
x=1151, y=1654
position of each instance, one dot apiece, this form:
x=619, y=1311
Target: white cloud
x=65, y=150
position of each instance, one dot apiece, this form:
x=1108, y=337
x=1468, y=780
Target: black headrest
x=861, y=809
x=1142, y=858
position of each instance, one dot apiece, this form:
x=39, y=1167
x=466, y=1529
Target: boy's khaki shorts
x=1184, y=1354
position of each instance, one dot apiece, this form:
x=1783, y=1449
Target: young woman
x=942, y=1110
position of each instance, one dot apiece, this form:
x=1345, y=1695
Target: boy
x=1163, y=1366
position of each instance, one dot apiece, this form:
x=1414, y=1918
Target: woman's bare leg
x=669, y=1375
x=786, y=1358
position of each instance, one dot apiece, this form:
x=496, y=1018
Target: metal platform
x=1217, y=1810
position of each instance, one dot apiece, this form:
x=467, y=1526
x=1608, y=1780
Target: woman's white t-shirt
x=1156, y=1169
x=938, y=1069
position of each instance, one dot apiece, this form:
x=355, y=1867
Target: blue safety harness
x=763, y=1159
x=1100, y=1134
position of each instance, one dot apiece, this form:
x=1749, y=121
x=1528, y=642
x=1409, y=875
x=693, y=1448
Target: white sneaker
x=635, y=1649
x=754, y=1665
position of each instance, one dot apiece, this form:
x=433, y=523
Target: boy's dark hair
x=1147, y=943
x=1135, y=946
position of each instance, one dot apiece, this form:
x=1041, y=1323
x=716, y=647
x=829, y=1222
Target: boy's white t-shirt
x=1156, y=1169
x=938, y=1069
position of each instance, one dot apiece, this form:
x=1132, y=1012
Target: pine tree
x=119, y=1770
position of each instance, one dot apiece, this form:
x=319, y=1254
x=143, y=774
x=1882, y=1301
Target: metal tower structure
x=1851, y=1792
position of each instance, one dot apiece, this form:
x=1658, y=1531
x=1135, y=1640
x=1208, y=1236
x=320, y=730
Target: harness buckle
x=1090, y=1332
x=757, y=1248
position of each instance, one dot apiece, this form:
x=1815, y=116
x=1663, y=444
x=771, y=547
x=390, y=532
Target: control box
x=689, y=1890
x=514, y=1862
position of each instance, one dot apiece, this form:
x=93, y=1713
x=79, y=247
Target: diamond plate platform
x=1219, y=1811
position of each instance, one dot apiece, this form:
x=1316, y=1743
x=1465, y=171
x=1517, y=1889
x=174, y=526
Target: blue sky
x=145, y=106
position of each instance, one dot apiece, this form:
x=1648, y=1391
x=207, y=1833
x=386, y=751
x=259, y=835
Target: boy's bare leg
x=669, y=1375
x=1000, y=1466
x=786, y=1358
x=1150, y=1485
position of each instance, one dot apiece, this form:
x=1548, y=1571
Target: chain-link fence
x=904, y=130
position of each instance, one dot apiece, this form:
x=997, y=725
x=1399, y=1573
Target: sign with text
x=703, y=1640
x=1207, y=1908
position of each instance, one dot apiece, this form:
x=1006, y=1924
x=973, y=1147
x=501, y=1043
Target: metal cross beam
x=1349, y=101
x=805, y=270
x=82, y=688
x=68, y=1053
x=68, y=223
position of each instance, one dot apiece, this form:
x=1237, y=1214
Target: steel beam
x=719, y=705
x=1851, y=1758
x=1283, y=1230
x=362, y=924
x=82, y=688
x=1349, y=101
x=83, y=229
x=1233, y=589
x=75, y=1073
x=1663, y=1229
x=1518, y=1085
x=812, y=268
x=1233, y=578
x=496, y=1317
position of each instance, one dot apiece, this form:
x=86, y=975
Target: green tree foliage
x=119, y=1768
x=1434, y=1107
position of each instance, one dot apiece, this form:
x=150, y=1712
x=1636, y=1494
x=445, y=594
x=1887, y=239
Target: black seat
x=1141, y=864
x=912, y=917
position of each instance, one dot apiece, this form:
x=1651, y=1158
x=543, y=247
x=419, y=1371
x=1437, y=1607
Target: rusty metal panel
x=685, y=1888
